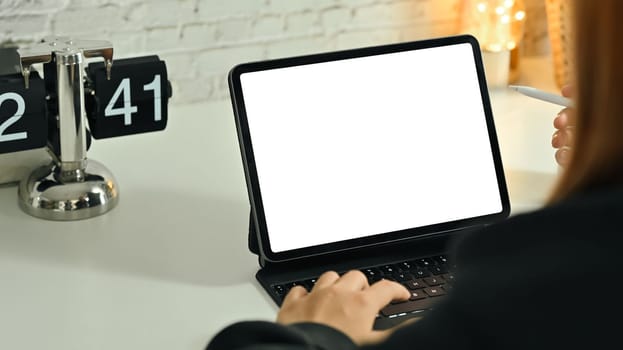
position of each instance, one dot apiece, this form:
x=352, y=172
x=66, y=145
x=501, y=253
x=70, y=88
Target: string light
x=498, y=24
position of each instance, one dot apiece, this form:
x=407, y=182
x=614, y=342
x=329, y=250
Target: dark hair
x=596, y=158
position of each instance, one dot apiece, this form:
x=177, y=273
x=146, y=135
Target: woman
x=543, y=280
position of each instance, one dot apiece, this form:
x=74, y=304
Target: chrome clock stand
x=72, y=187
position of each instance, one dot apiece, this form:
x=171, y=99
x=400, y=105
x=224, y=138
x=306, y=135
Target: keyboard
x=427, y=279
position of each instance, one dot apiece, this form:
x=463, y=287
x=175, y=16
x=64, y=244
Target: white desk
x=160, y=270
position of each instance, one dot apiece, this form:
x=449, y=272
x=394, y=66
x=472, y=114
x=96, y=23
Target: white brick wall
x=200, y=40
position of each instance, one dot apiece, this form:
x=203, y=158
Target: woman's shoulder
x=598, y=208
x=585, y=220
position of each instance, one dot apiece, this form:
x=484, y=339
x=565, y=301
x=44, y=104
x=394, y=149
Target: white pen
x=543, y=95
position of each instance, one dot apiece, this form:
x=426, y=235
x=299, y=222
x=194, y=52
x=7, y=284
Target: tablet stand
x=254, y=246
x=401, y=250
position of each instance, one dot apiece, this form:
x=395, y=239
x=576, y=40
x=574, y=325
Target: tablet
x=370, y=146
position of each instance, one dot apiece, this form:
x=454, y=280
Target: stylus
x=542, y=95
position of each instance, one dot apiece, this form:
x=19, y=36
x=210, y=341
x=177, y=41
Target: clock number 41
x=127, y=109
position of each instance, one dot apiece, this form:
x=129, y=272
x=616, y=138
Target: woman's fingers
x=562, y=138
x=567, y=91
x=326, y=279
x=295, y=293
x=562, y=156
x=353, y=280
x=383, y=292
x=557, y=141
x=562, y=120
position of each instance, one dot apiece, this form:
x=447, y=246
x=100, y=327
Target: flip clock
x=48, y=120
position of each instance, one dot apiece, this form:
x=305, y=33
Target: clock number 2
x=21, y=107
x=127, y=109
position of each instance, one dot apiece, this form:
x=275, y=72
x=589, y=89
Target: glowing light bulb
x=520, y=15
x=500, y=10
x=509, y=3
x=505, y=19
x=482, y=7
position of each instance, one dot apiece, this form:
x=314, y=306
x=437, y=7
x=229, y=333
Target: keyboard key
x=441, y=259
x=309, y=284
x=417, y=295
x=402, y=277
x=405, y=266
x=448, y=277
x=415, y=305
x=414, y=284
x=280, y=290
x=297, y=283
x=419, y=273
x=434, y=291
x=438, y=270
x=372, y=272
x=388, y=270
x=424, y=262
x=433, y=281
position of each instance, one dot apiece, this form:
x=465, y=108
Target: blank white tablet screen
x=364, y=146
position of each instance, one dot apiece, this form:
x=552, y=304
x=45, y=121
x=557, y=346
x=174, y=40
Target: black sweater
x=550, y=279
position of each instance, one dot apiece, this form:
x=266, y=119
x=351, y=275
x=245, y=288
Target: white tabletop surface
x=169, y=266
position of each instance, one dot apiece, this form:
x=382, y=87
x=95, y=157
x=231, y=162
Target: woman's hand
x=562, y=137
x=346, y=303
